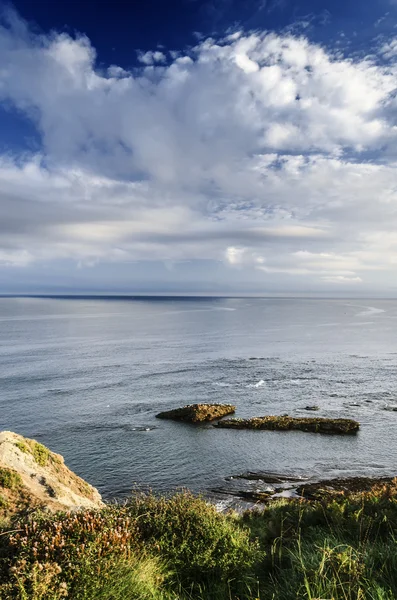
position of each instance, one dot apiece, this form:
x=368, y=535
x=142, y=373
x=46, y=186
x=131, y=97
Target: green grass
x=9, y=479
x=179, y=548
x=23, y=447
x=40, y=453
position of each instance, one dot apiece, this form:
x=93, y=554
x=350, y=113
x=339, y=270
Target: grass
x=22, y=447
x=9, y=479
x=40, y=453
x=179, y=548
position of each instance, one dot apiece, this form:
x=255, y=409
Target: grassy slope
x=341, y=547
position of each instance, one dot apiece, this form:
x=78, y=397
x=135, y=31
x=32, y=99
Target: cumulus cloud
x=265, y=152
x=150, y=57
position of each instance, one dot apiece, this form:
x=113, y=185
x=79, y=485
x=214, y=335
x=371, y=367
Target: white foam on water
x=260, y=383
x=369, y=310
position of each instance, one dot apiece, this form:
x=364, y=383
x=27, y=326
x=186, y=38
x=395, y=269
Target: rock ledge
x=286, y=423
x=198, y=413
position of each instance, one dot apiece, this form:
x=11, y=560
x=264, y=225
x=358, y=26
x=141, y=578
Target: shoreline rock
x=264, y=488
x=198, y=413
x=286, y=423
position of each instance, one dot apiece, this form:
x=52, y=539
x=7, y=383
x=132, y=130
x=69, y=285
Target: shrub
x=10, y=479
x=40, y=453
x=199, y=543
x=23, y=447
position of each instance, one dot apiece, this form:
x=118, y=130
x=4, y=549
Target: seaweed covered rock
x=198, y=413
x=31, y=476
x=348, y=487
x=286, y=423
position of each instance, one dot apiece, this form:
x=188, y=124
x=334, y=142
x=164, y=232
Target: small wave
x=110, y=427
x=260, y=383
x=370, y=310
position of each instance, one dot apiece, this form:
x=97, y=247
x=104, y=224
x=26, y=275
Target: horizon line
x=186, y=295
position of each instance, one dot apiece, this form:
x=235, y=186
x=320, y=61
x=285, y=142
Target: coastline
x=320, y=542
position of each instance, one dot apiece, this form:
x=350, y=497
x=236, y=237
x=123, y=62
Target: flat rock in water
x=286, y=423
x=198, y=413
x=346, y=486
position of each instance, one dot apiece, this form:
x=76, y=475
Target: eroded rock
x=31, y=476
x=198, y=413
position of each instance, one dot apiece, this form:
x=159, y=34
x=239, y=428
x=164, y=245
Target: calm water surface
x=86, y=377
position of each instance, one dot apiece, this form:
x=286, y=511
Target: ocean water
x=87, y=377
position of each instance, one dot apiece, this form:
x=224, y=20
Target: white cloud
x=150, y=58
x=263, y=151
x=235, y=256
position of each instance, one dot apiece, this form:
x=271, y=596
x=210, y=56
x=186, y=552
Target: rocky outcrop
x=198, y=413
x=31, y=476
x=347, y=486
x=286, y=423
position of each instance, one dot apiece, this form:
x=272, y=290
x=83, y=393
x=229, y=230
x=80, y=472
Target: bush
x=199, y=543
x=10, y=479
x=180, y=548
x=40, y=453
x=22, y=447
x=71, y=551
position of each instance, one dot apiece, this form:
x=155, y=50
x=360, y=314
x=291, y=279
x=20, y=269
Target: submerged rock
x=198, y=413
x=31, y=476
x=275, y=423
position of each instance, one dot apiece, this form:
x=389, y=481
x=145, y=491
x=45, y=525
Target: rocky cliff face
x=31, y=476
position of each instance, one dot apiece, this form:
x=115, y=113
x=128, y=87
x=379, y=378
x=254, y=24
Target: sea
x=87, y=376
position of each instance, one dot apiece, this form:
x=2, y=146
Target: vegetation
x=341, y=547
x=9, y=478
x=285, y=423
x=40, y=453
x=22, y=447
x=198, y=413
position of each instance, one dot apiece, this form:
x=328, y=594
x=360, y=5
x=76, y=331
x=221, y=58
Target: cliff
x=31, y=476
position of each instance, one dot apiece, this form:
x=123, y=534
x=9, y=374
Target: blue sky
x=219, y=146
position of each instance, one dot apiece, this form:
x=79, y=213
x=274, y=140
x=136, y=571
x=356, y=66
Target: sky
x=199, y=147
